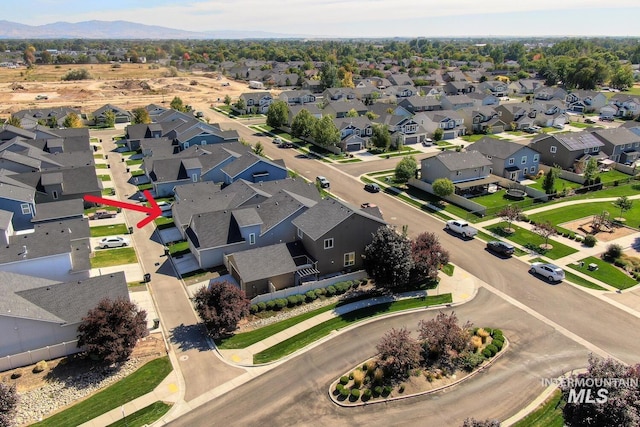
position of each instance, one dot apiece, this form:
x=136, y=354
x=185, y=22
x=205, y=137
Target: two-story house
x=509, y=159
x=482, y=120
x=416, y=104
x=456, y=102
x=585, y=101
x=297, y=97
x=255, y=102
x=459, y=88
x=547, y=93
x=627, y=105
x=495, y=88
x=468, y=170
x=20, y=202
x=567, y=150
x=354, y=132
x=620, y=144
x=451, y=123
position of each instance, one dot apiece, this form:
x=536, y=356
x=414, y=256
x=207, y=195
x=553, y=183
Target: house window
x=194, y=177
x=524, y=160
x=586, y=150
x=300, y=233
x=457, y=172
x=203, y=142
x=489, y=157
x=349, y=259
x=328, y=243
x=553, y=149
x=26, y=208
x=186, y=145
x=512, y=161
x=595, y=149
x=252, y=238
x=54, y=194
x=536, y=157
x=532, y=169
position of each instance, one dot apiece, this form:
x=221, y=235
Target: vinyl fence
x=34, y=356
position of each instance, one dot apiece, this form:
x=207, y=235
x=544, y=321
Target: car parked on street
x=285, y=145
x=323, y=182
x=277, y=140
x=461, y=227
x=114, y=242
x=551, y=272
x=372, y=187
x=502, y=248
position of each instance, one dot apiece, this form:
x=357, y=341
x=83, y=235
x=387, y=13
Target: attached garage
x=411, y=140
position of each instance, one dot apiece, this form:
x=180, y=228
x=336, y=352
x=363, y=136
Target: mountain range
x=122, y=30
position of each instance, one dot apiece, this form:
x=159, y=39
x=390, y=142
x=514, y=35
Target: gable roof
x=35, y=298
x=498, y=148
x=617, y=136
x=576, y=141
x=244, y=162
x=455, y=161
x=263, y=262
x=13, y=192
x=326, y=215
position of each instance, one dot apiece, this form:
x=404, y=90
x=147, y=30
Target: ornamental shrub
x=355, y=395
x=487, y=353
x=366, y=395
x=280, y=303
x=271, y=304
x=590, y=240
x=492, y=348
x=496, y=332
x=254, y=308
x=386, y=390
x=292, y=300
x=344, y=380
x=310, y=296
x=320, y=292
x=262, y=306
x=377, y=391
x=498, y=344
x=469, y=360
x=344, y=392
x=331, y=290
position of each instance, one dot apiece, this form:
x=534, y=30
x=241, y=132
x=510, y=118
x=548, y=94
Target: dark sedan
x=502, y=248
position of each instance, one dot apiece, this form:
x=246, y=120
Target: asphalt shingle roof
x=264, y=262
x=455, y=161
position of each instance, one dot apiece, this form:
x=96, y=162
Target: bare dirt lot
x=128, y=87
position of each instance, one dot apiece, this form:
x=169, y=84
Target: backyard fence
x=34, y=356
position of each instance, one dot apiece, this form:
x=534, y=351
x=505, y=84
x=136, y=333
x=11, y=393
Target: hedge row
x=310, y=296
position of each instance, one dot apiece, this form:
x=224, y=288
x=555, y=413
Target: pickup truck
x=461, y=227
x=102, y=213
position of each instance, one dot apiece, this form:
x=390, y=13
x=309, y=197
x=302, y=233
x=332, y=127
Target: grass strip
x=144, y=417
x=111, y=257
x=448, y=269
x=549, y=414
x=313, y=334
x=108, y=230
x=531, y=240
x=606, y=273
x=578, y=280
x=141, y=382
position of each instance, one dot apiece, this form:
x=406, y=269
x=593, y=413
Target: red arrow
x=152, y=211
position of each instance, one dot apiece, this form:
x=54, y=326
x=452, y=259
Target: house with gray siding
x=469, y=171
x=566, y=149
x=620, y=144
x=37, y=312
x=451, y=122
x=508, y=159
x=120, y=115
x=585, y=101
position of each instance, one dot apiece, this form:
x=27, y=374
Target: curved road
x=552, y=329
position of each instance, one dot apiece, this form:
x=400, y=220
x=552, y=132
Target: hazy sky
x=351, y=18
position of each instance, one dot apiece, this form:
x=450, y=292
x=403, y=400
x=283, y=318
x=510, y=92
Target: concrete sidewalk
x=462, y=286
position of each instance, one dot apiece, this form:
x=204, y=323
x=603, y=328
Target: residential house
x=483, y=119
x=57, y=250
x=468, y=170
x=61, y=184
x=456, y=102
x=525, y=86
x=451, y=122
x=585, y=101
x=400, y=79
x=495, y=88
x=383, y=108
x=253, y=168
x=340, y=109
x=8, y=132
x=297, y=97
x=521, y=115
x=354, y=132
x=566, y=149
x=547, y=93
x=416, y=104
x=481, y=98
x=36, y=313
x=255, y=102
x=627, y=105
x=620, y=144
x=120, y=115
x=313, y=86
x=509, y=159
x=52, y=117
x=20, y=201
x=459, y=88
x=550, y=113
x=313, y=109
x=340, y=94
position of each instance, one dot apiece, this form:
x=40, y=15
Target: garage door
x=354, y=146
x=449, y=135
x=411, y=140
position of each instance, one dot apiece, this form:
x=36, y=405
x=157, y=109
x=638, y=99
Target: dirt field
x=582, y=226
x=147, y=349
x=131, y=86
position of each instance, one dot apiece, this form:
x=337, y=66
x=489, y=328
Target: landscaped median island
x=444, y=354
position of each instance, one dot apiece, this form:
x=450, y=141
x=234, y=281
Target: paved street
x=176, y=314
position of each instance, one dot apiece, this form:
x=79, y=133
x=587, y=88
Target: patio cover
x=476, y=182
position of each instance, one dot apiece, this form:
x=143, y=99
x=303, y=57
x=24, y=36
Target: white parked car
x=114, y=242
x=551, y=272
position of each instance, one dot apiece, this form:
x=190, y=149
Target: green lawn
x=448, y=269
x=588, y=210
x=531, y=240
x=107, y=208
x=606, y=273
x=143, y=417
x=101, y=166
x=104, y=177
x=111, y=257
x=98, y=156
x=108, y=191
x=143, y=187
x=549, y=414
x=134, y=162
x=133, y=386
x=493, y=201
x=179, y=248
x=108, y=230
x=574, y=278
x=313, y=334
x=559, y=184
x=163, y=222
x=581, y=125
x=473, y=138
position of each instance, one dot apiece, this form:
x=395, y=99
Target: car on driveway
x=551, y=272
x=114, y=242
x=323, y=182
x=427, y=142
x=164, y=206
x=372, y=187
x=502, y=248
x=101, y=214
x=590, y=121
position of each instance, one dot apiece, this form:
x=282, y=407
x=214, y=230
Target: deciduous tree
x=303, y=124
x=221, y=306
x=624, y=204
x=387, y=259
x=72, y=121
x=398, y=353
x=621, y=403
x=406, y=169
x=277, y=114
x=443, y=187
x=545, y=230
x=428, y=256
x=177, y=104
x=438, y=134
x=111, y=330
x=444, y=339
x=509, y=214
x=14, y=121
x=227, y=100
x=109, y=119
x=325, y=132
x=381, y=138
x=140, y=115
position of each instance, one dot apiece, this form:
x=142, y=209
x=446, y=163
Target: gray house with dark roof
x=620, y=144
x=509, y=159
x=468, y=170
x=62, y=184
x=36, y=312
x=120, y=115
x=566, y=150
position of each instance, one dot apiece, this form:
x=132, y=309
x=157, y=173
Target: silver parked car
x=551, y=272
x=114, y=242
